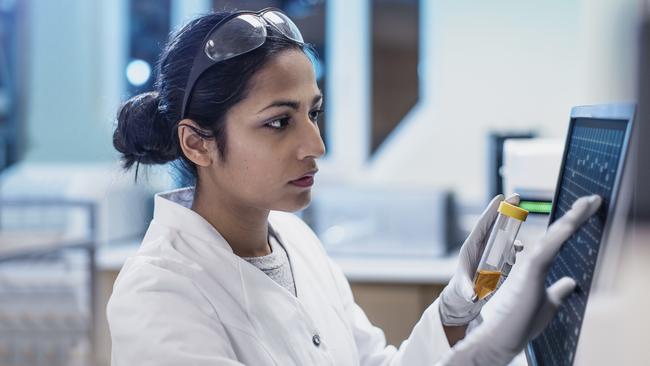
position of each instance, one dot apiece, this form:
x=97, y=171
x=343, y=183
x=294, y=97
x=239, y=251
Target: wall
x=504, y=65
x=74, y=81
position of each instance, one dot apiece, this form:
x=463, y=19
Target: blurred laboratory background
x=432, y=108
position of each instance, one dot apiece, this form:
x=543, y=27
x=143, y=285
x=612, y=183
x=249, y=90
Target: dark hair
x=147, y=123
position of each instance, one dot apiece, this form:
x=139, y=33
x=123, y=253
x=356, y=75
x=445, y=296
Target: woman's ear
x=196, y=143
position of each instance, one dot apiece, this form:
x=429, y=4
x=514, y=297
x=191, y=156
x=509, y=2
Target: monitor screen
x=592, y=164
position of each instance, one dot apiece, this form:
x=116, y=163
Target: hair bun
x=142, y=133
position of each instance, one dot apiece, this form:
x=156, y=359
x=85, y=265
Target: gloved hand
x=458, y=305
x=523, y=306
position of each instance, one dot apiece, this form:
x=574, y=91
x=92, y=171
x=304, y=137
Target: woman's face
x=273, y=139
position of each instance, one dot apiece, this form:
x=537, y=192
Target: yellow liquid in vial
x=486, y=282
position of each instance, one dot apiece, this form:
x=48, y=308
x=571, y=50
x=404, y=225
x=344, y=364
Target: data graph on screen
x=591, y=165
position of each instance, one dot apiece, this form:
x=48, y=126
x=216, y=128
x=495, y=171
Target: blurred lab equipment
x=55, y=211
x=47, y=285
x=495, y=158
x=384, y=221
x=530, y=168
x=123, y=207
x=498, y=249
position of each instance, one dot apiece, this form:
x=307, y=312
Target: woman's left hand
x=457, y=305
x=524, y=306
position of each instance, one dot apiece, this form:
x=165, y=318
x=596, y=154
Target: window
x=394, y=60
x=149, y=25
x=11, y=32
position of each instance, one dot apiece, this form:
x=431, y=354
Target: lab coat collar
x=241, y=279
x=171, y=205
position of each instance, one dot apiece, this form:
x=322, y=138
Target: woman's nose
x=311, y=143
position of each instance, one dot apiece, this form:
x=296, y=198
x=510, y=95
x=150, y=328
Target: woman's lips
x=306, y=181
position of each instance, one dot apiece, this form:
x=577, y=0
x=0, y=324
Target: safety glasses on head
x=238, y=33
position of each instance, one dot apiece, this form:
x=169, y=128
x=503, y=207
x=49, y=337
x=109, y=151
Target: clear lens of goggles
x=238, y=35
x=283, y=24
x=246, y=32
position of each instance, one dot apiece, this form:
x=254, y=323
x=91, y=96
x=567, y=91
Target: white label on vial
x=499, y=245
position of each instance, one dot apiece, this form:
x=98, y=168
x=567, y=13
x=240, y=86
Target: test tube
x=498, y=248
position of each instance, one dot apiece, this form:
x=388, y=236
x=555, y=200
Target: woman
x=224, y=275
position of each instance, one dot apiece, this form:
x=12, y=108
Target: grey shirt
x=276, y=265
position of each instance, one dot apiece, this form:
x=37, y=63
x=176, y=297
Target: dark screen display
x=590, y=166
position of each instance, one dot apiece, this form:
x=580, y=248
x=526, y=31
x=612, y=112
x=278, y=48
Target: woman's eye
x=279, y=123
x=315, y=114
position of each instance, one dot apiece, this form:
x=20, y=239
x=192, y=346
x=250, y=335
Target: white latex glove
x=458, y=305
x=523, y=306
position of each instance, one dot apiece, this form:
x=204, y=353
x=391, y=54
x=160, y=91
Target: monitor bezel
x=614, y=112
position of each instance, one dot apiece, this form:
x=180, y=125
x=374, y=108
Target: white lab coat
x=186, y=299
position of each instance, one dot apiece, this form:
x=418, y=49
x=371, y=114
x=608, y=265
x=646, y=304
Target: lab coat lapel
x=286, y=322
x=303, y=275
x=315, y=296
x=274, y=314
x=204, y=245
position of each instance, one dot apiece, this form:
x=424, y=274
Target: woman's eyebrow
x=293, y=104
x=282, y=103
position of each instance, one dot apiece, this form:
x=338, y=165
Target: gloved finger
x=485, y=221
x=564, y=227
x=583, y=208
x=466, y=288
x=513, y=199
x=472, y=249
x=555, y=295
x=558, y=291
x=516, y=248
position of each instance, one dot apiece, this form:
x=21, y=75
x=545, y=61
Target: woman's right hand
x=523, y=306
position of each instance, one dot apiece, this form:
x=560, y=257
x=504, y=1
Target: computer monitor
x=594, y=160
